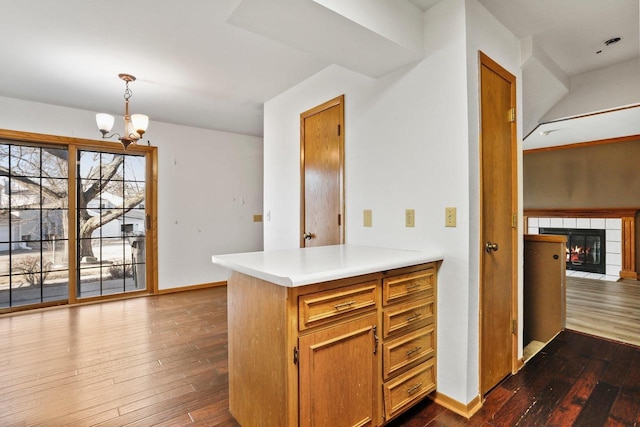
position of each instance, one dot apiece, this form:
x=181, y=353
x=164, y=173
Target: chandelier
x=134, y=125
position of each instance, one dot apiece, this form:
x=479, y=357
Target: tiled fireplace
x=608, y=253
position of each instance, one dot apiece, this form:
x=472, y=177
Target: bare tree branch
x=91, y=223
x=32, y=185
x=108, y=172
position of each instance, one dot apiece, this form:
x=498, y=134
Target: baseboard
x=192, y=287
x=465, y=410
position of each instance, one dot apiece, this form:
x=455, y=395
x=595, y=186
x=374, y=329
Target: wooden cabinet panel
x=406, y=351
x=409, y=339
x=338, y=371
x=409, y=388
x=544, y=287
x=323, y=307
x=311, y=355
x=417, y=284
x=407, y=317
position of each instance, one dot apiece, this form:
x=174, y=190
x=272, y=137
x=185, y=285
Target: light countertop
x=299, y=267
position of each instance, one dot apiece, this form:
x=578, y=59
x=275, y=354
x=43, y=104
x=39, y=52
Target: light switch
x=367, y=218
x=449, y=217
x=410, y=218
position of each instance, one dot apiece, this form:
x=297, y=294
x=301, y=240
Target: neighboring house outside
x=133, y=221
x=27, y=224
x=6, y=221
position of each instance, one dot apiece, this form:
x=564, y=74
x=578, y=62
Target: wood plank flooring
x=606, y=309
x=162, y=361
x=158, y=360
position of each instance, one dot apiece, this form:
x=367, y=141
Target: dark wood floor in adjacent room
x=576, y=380
x=162, y=360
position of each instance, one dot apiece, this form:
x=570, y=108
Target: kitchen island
x=335, y=335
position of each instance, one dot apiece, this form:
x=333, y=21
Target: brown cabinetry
x=409, y=339
x=544, y=287
x=351, y=352
x=338, y=369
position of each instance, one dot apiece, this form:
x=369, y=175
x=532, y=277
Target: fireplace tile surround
x=613, y=227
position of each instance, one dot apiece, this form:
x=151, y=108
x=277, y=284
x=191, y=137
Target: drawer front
x=418, y=284
x=407, y=351
x=326, y=306
x=407, y=317
x=409, y=388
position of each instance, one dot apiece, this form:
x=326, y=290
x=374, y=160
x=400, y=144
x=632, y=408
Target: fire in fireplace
x=585, y=248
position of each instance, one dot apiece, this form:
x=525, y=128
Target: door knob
x=307, y=236
x=490, y=247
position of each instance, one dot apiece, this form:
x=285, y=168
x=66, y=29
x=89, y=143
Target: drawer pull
x=413, y=317
x=413, y=389
x=344, y=305
x=413, y=350
x=413, y=286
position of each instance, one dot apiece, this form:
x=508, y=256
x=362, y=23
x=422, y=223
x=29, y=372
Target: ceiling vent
x=609, y=42
x=612, y=40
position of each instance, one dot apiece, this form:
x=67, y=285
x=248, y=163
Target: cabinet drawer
x=409, y=388
x=406, y=351
x=419, y=283
x=407, y=317
x=322, y=307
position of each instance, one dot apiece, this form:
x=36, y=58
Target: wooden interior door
x=322, y=165
x=498, y=223
x=338, y=375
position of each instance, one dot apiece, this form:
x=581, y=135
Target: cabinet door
x=338, y=375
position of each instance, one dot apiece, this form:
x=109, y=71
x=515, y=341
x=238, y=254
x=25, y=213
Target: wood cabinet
x=544, y=287
x=409, y=339
x=350, y=352
x=338, y=369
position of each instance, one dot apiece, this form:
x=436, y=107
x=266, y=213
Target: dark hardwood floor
x=162, y=361
x=576, y=380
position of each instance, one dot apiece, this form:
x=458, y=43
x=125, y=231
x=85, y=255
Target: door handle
x=307, y=236
x=490, y=247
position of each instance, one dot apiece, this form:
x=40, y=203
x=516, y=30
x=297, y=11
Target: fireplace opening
x=585, y=248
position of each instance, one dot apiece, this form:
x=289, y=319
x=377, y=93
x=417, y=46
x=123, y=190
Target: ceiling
x=212, y=64
x=573, y=34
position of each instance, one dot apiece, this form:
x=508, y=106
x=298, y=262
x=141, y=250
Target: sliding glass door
x=76, y=220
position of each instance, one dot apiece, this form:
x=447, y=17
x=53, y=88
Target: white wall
x=604, y=89
x=209, y=187
x=410, y=142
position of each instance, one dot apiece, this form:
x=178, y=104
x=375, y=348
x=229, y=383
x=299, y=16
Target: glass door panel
x=33, y=225
x=111, y=223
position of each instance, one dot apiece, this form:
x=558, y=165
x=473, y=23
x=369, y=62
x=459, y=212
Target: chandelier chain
x=127, y=92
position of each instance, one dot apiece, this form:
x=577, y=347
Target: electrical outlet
x=449, y=217
x=409, y=218
x=367, y=218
